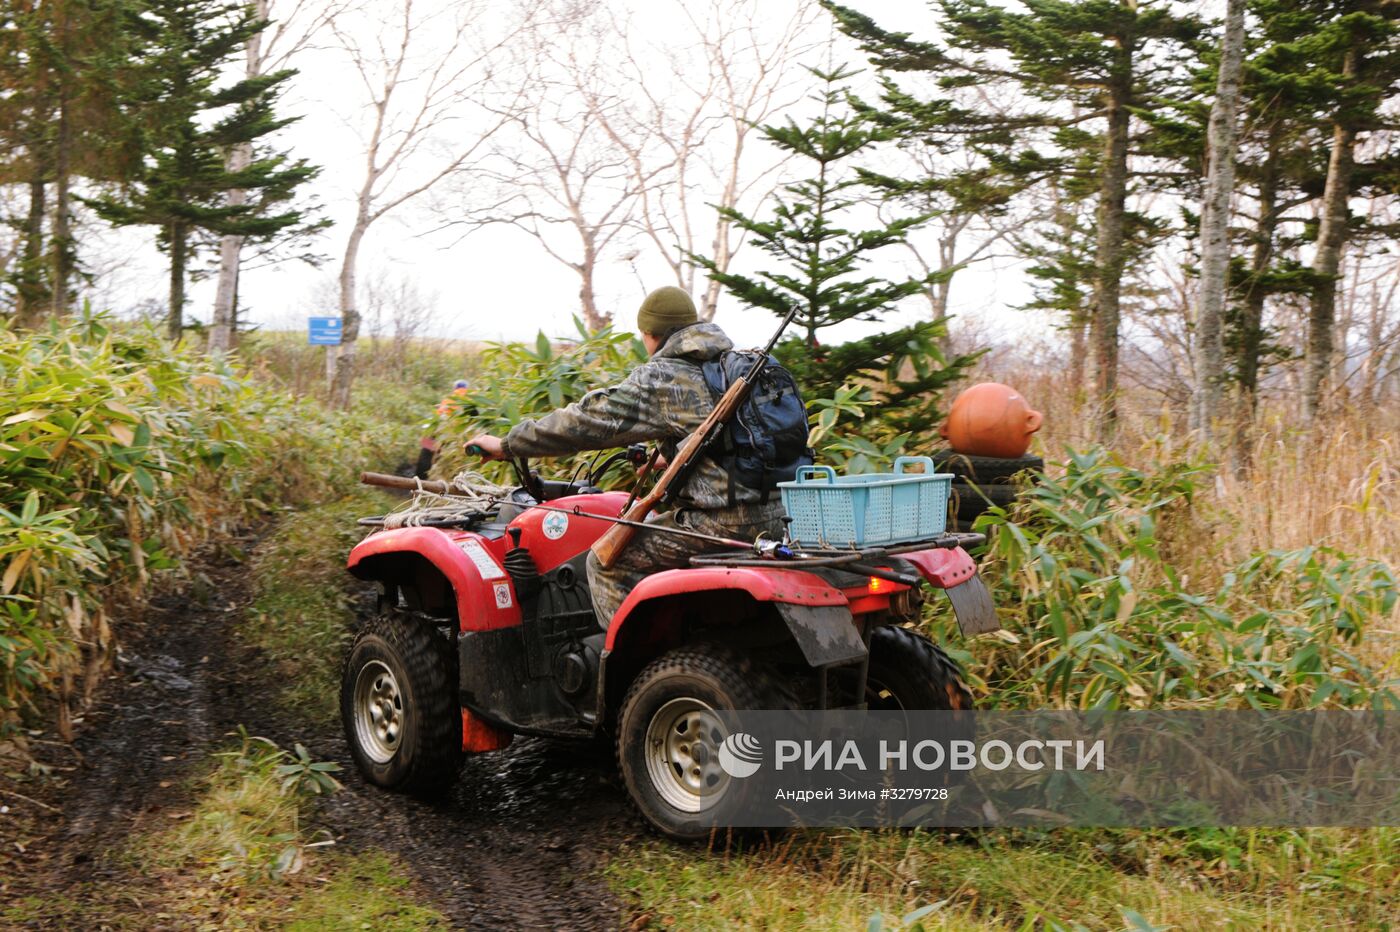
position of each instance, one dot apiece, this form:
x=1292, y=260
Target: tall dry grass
x=1335, y=485
x=1282, y=485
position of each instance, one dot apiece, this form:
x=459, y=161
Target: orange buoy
x=990, y=419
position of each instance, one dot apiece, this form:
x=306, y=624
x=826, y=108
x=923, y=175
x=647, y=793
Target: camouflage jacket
x=663, y=401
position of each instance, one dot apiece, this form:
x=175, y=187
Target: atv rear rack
x=814, y=558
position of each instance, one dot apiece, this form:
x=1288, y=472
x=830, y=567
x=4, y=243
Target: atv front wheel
x=398, y=705
x=669, y=737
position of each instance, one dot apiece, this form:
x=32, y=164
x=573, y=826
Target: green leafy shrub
x=515, y=381
x=850, y=431
x=1088, y=572
x=120, y=455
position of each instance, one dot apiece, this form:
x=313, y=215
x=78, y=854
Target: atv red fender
x=952, y=570
x=944, y=567
x=764, y=585
x=484, y=596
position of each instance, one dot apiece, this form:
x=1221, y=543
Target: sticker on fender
x=486, y=566
x=502, y=595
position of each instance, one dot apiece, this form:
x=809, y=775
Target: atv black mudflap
x=972, y=604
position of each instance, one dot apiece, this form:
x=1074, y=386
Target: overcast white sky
x=497, y=283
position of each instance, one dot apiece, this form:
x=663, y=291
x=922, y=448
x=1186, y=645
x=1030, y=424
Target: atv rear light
x=878, y=585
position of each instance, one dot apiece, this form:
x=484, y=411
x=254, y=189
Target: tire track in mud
x=518, y=844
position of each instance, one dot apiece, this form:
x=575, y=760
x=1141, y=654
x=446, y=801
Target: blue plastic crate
x=828, y=510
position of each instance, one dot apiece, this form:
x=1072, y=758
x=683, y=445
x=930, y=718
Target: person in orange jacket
x=428, y=446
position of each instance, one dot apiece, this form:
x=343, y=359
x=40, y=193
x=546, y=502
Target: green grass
x=1248, y=879
x=301, y=617
x=367, y=891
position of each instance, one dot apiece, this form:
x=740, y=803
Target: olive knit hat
x=664, y=310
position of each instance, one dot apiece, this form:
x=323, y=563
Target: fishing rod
x=765, y=550
x=764, y=546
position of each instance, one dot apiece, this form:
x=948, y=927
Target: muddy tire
x=908, y=672
x=667, y=744
x=399, y=708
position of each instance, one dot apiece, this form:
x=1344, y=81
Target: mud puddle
x=518, y=844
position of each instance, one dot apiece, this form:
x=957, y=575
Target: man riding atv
x=663, y=401
x=527, y=613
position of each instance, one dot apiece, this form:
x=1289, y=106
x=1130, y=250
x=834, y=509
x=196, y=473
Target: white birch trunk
x=224, y=330
x=1331, y=239
x=1215, y=226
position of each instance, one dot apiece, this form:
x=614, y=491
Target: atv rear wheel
x=908, y=672
x=668, y=737
x=398, y=705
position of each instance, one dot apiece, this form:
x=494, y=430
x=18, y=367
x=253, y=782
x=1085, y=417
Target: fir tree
x=191, y=120
x=1282, y=168
x=1353, y=48
x=1083, y=70
x=1295, y=95
x=821, y=263
x=62, y=65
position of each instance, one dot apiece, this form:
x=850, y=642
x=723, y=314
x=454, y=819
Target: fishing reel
x=636, y=454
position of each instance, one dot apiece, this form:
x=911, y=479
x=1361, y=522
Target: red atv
x=486, y=630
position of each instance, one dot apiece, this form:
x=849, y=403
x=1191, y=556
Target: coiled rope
x=473, y=496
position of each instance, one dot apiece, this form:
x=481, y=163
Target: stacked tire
x=983, y=481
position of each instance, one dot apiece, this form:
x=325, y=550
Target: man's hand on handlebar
x=486, y=446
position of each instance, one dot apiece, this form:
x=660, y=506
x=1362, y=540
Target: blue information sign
x=323, y=331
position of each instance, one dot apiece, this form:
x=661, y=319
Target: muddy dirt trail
x=519, y=844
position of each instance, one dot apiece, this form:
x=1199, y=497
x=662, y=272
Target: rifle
x=610, y=546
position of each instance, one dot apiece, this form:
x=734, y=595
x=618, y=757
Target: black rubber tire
x=968, y=500
x=908, y=671
x=985, y=470
x=429, y=752
x=721, y=678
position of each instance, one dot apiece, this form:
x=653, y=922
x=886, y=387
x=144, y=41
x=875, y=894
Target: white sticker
x=556, y=525
x=481, y=559
x=502, y=595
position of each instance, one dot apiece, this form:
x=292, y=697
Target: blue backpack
x=766, y=440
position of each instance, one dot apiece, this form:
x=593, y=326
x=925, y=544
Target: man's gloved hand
x=487, y=447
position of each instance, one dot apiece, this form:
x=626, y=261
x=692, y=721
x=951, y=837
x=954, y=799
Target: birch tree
x=565, y=173
x=292, y=26
x=1215, y=225
x=699, y=121
x=633, y=142
x=423, y=72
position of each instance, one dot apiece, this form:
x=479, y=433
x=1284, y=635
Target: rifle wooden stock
x=610, y=546
x=401, y=482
